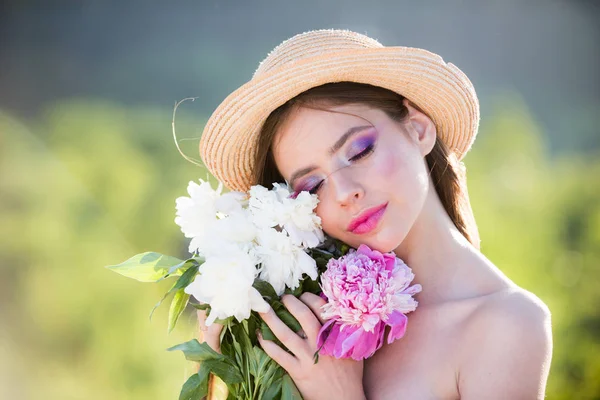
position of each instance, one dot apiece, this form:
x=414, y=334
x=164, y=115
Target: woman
x=378, y=133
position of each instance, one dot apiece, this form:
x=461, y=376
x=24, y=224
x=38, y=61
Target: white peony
x=214, y=221
x=231, y=203
x=282, y=262
x=235, y=233
x=197, y=214
x=225, y=282
x=237, y=228
x=300, y=221
x=263, y=204
x=275, y=207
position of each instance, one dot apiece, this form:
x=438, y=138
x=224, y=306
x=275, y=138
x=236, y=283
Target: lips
x=367, y=220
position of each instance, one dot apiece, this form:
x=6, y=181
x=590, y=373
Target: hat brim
x=439, y=89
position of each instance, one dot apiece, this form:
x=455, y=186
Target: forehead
x=308, y=133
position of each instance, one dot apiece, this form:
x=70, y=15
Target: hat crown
x=313, y=43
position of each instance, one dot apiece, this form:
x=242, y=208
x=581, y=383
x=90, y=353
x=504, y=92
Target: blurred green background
x=89, y=172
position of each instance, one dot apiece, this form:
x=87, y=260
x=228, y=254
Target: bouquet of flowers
x=247, y=250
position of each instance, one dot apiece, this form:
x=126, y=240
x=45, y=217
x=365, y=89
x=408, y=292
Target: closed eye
x=316, y=187
x=368, y=150
x=363, y=153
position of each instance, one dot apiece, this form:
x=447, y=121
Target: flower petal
x=327, y=338
x=397, y=321
x=349, y=336
x=369, y=343
x=257, y=303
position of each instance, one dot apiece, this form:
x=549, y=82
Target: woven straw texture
x=310, y=59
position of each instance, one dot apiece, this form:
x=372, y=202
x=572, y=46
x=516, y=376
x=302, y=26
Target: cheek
x=388, y=165
x=402, y=176
x=328, y=214
x=393, y=165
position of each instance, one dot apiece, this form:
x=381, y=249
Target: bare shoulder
x=516, y=309
x=506, y=347
x=514, y=319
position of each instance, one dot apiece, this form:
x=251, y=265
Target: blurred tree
x=99, y=188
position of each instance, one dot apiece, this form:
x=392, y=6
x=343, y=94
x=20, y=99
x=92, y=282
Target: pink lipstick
x=367, y=220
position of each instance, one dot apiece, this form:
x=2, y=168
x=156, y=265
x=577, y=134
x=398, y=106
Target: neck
x=441, y=258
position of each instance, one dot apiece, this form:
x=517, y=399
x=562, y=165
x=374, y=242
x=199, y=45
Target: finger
x=287, y=336
x=201, y=321
x=281, y=357
x=315, y=303
x=301, y=333
x=209, y=334
x=309, y=322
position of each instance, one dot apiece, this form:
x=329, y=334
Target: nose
x=346, y=187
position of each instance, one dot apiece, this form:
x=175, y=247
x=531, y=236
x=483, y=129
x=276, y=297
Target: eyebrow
x=336, y=146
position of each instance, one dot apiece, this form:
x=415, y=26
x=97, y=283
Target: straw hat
x=310, y=59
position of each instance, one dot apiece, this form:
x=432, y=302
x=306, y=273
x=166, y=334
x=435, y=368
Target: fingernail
x=263, y=314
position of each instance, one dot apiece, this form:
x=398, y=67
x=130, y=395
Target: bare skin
x=475, y=333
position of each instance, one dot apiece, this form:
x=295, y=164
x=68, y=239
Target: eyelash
x=363, y=153
x=357, y=157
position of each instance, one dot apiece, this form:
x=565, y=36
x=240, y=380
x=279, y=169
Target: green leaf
x=262, y=361
x=273, y=374
x=253, y=325
x=227, y=344
x=316, y=356
x=190, y=388
x=195, y=387
x=196, y=351
x=179, y=269
x=266, y=332
x=178, y=304
x=161, y=300
x=183, y=281
x=233, y=396
x=308, y=285
x=196, y=260
x=226, y=370
x=286, y=316
x=243, y=336
x=273, y=391
x=239, y=354
x=344, y=249
x=289, y=391
x=252, y=363
x=146, y=267
x=223, y=321
x=321, y=256
x=201, y=306
x=186, y=278
x=265, y=289
x=204, y=374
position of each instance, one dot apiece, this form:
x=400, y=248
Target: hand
x=211, y=334
x=329, y=378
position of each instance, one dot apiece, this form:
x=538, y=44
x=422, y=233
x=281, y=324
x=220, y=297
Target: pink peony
x=365, y=292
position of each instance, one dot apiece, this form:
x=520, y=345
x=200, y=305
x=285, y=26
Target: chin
x=384, y=241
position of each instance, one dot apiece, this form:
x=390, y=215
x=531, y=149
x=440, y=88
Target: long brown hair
x=447, y=172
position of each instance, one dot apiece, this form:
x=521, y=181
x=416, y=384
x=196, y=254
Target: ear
x=421, y=128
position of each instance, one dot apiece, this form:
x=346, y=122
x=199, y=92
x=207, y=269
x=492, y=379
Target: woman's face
x=359, y=162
